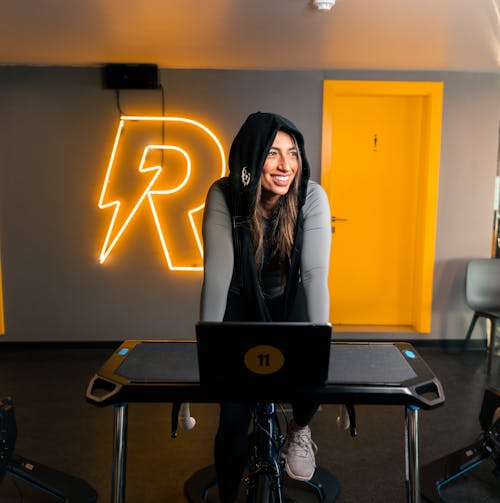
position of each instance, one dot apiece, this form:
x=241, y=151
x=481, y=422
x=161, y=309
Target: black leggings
x=231, y=443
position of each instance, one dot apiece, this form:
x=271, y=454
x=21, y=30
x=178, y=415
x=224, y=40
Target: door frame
x=431, y=94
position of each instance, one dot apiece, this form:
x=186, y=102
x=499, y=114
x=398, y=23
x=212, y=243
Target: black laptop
x=263, y=355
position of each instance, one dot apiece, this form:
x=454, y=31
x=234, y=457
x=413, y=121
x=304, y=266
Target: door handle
x=336, y=219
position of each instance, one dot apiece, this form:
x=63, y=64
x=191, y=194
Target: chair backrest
x=482, y=285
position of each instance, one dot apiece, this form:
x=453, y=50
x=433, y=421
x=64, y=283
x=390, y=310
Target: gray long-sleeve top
x=219, y=254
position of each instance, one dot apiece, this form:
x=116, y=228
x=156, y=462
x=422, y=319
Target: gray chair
x=482, y=293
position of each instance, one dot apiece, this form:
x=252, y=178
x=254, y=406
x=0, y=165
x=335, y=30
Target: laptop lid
x=263, y=355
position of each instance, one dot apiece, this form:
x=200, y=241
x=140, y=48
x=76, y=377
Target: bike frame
x=265, y=466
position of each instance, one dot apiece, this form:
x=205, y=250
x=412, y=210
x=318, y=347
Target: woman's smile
x=281, y=180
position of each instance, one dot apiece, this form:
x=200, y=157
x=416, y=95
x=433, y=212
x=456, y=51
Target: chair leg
x=491, y=344
x=470, y=330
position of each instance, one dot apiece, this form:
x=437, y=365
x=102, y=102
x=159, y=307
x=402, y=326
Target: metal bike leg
x=411, y=455
x=266, y=468
x=119, y=453
x=274, y=468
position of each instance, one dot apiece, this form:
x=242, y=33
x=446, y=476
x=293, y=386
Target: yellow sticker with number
x=264, y=359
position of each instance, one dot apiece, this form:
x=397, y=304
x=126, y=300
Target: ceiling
x=461, y=35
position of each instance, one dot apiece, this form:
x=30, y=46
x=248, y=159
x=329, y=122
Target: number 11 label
x=264, y=359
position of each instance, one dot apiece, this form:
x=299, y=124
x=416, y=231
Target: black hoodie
x=249, y=151
x=246, y=160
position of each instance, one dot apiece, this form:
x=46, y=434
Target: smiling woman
x=267, y=236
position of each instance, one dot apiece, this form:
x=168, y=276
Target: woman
x=267, y=236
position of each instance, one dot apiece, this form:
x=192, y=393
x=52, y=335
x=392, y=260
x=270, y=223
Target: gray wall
x=57, y=129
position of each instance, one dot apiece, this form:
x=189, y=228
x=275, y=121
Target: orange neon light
x=116, y=230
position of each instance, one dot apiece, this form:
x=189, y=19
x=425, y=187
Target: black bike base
x=50, y=481
x=463, y=476
x=201, y=487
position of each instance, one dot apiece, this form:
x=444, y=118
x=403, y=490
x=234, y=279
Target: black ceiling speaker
x=130, y=76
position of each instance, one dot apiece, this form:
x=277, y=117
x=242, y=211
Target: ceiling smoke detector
x=323, y=4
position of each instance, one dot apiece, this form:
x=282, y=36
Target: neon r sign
x=169, y=179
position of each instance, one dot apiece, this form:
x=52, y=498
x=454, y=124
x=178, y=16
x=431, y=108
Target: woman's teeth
x=281, y=178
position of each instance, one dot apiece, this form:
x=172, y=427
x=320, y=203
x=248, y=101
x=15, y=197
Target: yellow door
x=380, y=165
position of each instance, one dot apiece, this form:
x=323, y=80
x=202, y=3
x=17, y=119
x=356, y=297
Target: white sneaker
x=300, y=460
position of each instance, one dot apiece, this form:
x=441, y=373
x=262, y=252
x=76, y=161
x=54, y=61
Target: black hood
x=248, y=154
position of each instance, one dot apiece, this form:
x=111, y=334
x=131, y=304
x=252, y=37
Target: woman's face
x=280, y=168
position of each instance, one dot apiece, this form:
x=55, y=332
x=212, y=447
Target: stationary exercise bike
x=58, y=484
x=265, y=481
x=438, y=476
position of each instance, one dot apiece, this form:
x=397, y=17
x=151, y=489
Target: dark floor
x=58, y=428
